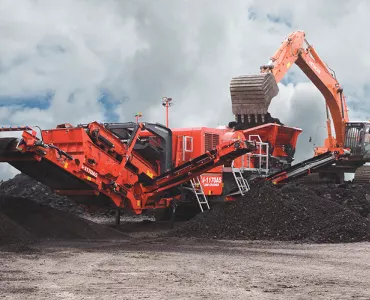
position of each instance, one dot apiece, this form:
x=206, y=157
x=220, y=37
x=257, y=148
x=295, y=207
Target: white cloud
x=188, y=50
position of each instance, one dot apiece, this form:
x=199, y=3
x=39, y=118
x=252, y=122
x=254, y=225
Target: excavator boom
x=251, y=95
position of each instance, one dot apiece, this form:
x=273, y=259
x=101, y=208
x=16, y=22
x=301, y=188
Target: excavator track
x=362, y=175
x=251, y=95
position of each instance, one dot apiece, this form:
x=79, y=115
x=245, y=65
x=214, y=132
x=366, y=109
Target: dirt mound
x=24, y=186
x=22, y=219
x=354, y=196
x=293, y=213
x=12, y=233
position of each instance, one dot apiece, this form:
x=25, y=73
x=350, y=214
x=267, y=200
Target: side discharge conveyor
x=305, y=167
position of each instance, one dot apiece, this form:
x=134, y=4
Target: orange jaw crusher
x=96, y=164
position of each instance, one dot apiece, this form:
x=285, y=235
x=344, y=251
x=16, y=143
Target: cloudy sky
x=83, y=60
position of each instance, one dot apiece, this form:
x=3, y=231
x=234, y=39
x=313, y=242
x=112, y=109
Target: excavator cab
x=357, y=139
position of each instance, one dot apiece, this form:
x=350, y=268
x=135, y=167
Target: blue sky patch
x=110, y=104
x=43, y=102
x=252, y=15
x=276, y=19
x=36, y=101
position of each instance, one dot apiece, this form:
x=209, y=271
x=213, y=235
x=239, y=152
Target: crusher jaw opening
x=251, y=96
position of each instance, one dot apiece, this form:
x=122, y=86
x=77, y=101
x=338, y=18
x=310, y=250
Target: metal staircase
x=199, y=193
x=241, y=182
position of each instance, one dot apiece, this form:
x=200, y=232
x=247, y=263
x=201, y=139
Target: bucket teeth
x=252, y=94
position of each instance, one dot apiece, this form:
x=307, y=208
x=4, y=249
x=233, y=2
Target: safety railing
x=259, y=158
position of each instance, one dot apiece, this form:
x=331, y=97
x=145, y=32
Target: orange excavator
x=251, y=96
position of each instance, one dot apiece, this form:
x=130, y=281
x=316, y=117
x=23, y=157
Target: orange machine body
x=96, y=164
x=281, y=142
x=130, y=165
x=189, y=143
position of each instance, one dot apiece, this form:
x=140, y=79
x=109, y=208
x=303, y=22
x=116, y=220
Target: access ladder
x=241, y=182
x=199, y=193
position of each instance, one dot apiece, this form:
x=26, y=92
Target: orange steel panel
x=212, y=183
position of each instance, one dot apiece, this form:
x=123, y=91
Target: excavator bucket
x=251, y=95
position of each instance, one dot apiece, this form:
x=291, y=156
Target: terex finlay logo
x=89, y=171
x=316, y=68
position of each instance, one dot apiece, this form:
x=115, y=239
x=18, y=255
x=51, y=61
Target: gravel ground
x=186, y=269
x=74, y=258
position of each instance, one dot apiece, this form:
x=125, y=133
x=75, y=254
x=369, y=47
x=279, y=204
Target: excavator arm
x=252, y=94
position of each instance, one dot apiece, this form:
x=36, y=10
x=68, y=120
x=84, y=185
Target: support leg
x=173, y=215
x=118, y=217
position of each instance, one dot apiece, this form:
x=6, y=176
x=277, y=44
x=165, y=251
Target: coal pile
x=353, y=196
x=293, y=213
x=23, y=220
x=12, y=233
x=23, y=186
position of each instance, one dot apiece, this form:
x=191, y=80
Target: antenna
x=137, y=116
x=166, y=102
